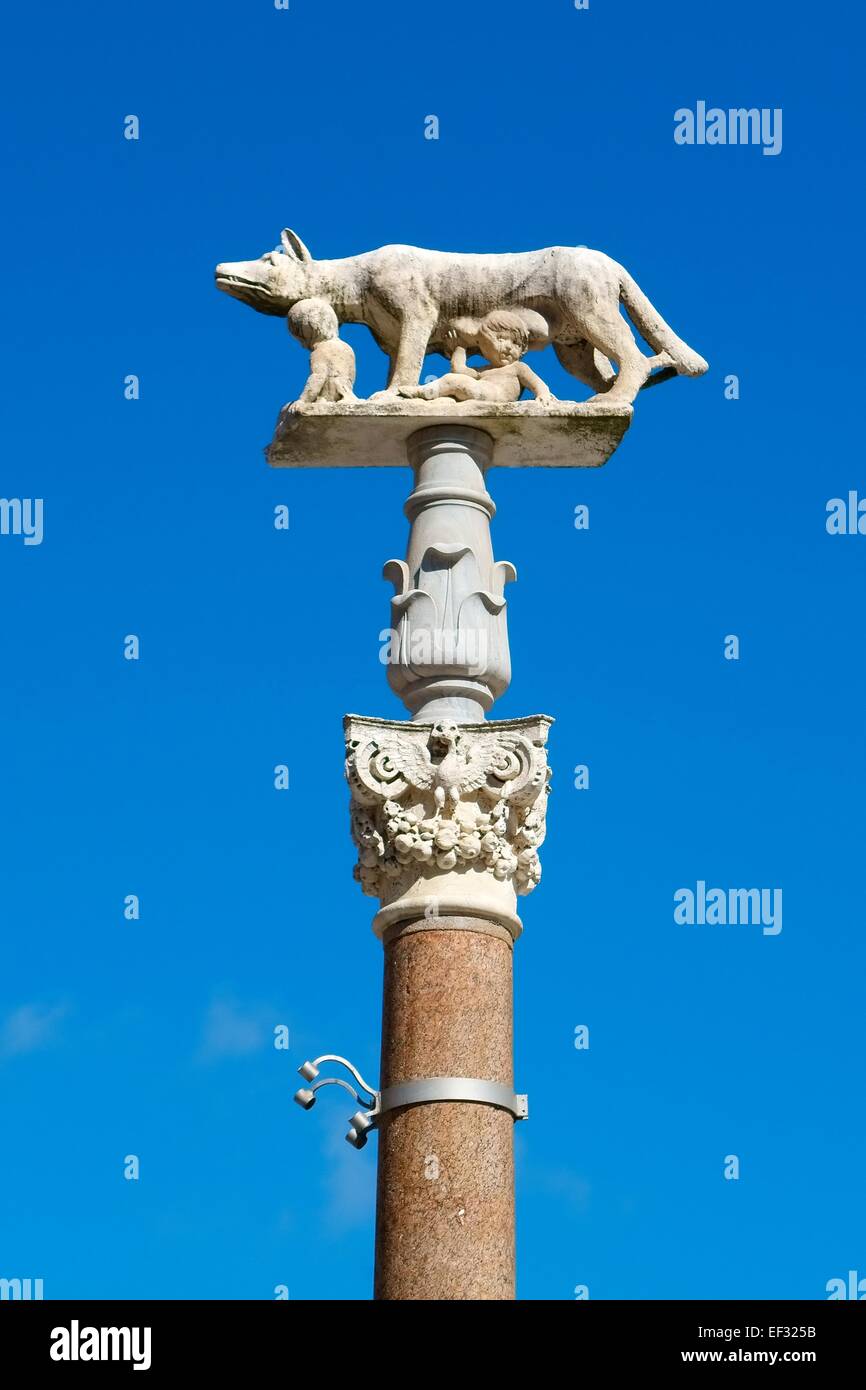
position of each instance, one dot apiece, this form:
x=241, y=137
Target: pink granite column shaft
x=445, y=1200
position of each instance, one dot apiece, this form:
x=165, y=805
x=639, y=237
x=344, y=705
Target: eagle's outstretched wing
x=409, y=759
x=496, y=759
x=480, y=761
x=390, y=766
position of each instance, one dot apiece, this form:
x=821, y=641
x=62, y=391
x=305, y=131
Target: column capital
x=447, y=818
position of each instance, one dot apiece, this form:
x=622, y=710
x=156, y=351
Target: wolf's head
x=274, y=282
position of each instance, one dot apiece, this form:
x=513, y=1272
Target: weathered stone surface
x=447, y=646
x=447, y=818
x=374, y=434
x=416, y=301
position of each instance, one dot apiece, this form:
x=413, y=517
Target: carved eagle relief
x=449, y=765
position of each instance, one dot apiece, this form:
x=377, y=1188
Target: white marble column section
x=448, y=651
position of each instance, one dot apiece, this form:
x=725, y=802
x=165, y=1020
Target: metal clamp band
x=450, y=1088
x=424, y=1091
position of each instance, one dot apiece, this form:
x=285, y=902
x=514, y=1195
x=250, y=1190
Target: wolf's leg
x=583, y=362
x=414, y=338
x=387, y=391
x=612, y=336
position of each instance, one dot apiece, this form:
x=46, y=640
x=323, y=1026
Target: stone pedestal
x=376, y=434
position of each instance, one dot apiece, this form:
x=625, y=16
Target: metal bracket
x=425, y=1091
x=437, y=1088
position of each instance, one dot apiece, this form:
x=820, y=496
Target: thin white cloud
x=29, y=1028
x=231, y=1029
x=565, y=1185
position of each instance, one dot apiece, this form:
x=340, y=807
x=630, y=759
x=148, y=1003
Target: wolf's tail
x=660, y=336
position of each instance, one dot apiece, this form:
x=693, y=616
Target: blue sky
x=155, y=777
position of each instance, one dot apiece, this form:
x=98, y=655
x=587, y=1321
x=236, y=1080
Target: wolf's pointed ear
x=293, y=246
